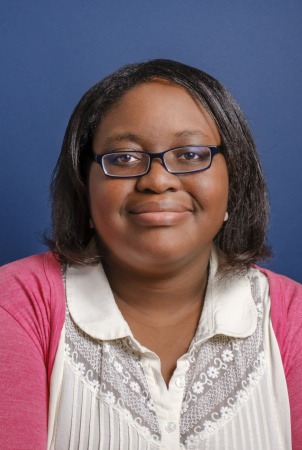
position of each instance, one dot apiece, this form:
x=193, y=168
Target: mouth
x=160, y=214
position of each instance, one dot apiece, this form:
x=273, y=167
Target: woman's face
x=158, y=219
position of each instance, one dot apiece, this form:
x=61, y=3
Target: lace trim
x=221, y=375
x=113, y=373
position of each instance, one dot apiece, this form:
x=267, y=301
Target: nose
x=158, y=180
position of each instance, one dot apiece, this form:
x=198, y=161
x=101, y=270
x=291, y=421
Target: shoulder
x=32, y=294
x=282, y=284
x=286, y=314
x=36, y=277
x=285, y=293
x=39, y=264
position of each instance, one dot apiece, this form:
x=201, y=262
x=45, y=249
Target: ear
x=91, y=224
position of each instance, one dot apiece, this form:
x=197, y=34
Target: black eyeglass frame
x=214, y=149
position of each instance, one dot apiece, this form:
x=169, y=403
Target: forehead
x=157, y=108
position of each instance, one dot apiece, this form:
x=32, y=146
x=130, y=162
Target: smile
x=159, y=213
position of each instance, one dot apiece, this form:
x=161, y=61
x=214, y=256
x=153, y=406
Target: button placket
x=180, y=382
x=170, y=427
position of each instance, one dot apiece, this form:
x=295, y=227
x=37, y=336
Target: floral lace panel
x=113, y=372
x=221, y=376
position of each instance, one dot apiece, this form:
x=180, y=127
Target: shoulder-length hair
x=242, y=238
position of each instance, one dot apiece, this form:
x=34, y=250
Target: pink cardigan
x=32, y=313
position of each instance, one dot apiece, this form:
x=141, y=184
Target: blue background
x=52, y=52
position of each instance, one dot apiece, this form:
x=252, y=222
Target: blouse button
x=170, y=427
x=180, y=382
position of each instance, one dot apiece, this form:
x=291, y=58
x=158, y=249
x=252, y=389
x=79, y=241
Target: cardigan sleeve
x=286, y=314
x=31, y=319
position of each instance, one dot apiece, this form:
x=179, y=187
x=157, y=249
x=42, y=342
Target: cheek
x=101, y=197
x=220, y=187
x=211, y=193
x=106, y=197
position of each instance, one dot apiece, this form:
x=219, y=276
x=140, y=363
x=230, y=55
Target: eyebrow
x=191, y=133
x=122, y=137
x=118, y=137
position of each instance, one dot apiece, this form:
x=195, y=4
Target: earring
x=226, y=216
x=91, y=224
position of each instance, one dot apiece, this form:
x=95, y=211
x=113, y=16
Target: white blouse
x=227, y=392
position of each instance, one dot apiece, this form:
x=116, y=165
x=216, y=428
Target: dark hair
x=242, y=238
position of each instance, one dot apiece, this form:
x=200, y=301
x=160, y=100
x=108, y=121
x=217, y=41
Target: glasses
x=130, y=163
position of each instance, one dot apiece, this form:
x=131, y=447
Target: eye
x=189, y=156
x=194, y=154
x=126, y=158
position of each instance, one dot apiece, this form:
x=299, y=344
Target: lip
x=163, y=206
x=164, y=213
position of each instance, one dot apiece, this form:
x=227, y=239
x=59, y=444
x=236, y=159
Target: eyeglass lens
x=179, y=160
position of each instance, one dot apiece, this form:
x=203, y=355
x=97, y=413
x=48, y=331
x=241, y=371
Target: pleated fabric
x=89, y=423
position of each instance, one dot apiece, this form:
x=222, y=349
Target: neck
x=159, y=296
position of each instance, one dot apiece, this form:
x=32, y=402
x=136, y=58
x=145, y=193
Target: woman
x=148, y=326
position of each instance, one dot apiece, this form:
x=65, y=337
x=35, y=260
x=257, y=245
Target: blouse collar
x=229, y=308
